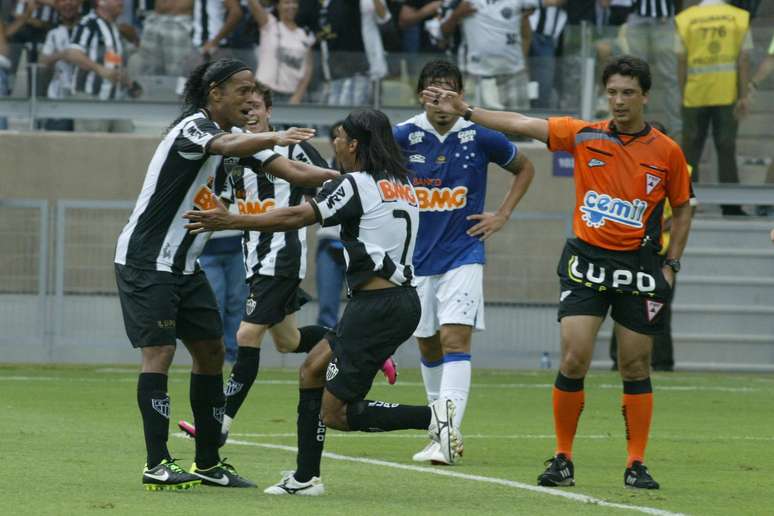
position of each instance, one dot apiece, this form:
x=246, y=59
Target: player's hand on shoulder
x=294, y=135
x=215, y=219
x=488, y=224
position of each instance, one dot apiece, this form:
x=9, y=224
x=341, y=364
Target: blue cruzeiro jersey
x=450, y=182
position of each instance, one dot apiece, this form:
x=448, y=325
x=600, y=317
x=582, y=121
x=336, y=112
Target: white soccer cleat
x=427, y=453
x=290, y=486
x=442, y=431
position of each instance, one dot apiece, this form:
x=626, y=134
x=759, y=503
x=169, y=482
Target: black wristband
x=468, y=113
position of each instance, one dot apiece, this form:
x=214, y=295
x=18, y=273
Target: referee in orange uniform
x=624, y=172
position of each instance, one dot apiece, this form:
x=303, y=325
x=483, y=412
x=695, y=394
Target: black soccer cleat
x=221, y=475
x=639, y=477
x=168, y=476
x=559, y=473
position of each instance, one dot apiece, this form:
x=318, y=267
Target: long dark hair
x=197, y=86
x=377, y=149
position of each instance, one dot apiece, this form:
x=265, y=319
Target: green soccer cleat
x=220, y=475
x=168, y=476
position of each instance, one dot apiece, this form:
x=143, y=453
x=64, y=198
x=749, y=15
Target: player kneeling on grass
x=376, y=206
x=275, y=262
x=164, y=294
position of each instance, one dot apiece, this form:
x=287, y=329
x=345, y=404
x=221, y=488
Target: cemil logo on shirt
x=442, y=199
x=598, y=208
x=255, y=207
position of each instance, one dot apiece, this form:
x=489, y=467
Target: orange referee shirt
x=621, y=181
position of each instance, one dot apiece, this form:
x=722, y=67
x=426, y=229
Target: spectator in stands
x=213, y=23
x=373, y=15
x=344, y=62
x=224, y=266
x=165, y=44
x=97, y=50
x=285, y=52
x=650, y=33
x=411, y=21
x=547, y=24
x=5, y=70
x=330, y=263
x=763, y=71
x=53, y=55
x=29, y=24
x=497, y=42
x=713, y=48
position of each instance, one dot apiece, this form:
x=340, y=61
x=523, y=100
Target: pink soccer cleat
x=390, y=370
x=187, y=428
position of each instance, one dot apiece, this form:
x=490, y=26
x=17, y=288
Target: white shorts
x=454, y=297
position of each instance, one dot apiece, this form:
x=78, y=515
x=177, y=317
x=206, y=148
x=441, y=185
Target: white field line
x=474, y=478
x=403, y=435
x=606, y=386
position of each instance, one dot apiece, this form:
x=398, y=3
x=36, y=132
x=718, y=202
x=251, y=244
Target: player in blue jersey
x=449, y=156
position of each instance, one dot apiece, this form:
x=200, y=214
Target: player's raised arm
x=279, y=219
x=243, y=145
x=299, y=173
x=504, y=121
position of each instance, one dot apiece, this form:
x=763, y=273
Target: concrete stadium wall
x=58, y=166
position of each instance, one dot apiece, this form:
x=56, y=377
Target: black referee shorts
x=629, y=284
x=271, y=299
x=159, y=307
x=375, y=323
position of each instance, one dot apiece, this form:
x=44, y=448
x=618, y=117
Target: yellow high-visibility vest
x=712, y=36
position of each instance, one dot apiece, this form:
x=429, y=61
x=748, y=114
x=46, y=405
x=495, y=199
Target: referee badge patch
x=250, y=306
x=332, y=371
x=653, y=308
x=651, y=182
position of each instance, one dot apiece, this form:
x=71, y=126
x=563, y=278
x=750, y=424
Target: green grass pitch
x=71, y=443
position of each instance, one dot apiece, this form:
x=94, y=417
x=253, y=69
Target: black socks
x=207, y=404
x=153, y=400
x=380, y=416
x=310, y=335
x=243, y=375
x=311, y=434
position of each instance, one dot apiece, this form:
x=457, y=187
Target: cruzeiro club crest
x=332, y=371
x=250, y=305
x=161, y=406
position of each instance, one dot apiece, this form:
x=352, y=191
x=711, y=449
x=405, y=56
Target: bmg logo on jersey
x=392, y=191
x=255, y=207
x=442, y=199
x=598, y=208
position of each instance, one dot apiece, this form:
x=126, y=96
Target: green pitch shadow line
x=476, y=478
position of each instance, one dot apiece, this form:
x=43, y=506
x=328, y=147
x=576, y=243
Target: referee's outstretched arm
x=504, y=121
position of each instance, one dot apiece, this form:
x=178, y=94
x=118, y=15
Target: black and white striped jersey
x=273, y=254
x=181, y=176
x=655, y=8
x=208, y=19
x=99, y=39
x=379, y=218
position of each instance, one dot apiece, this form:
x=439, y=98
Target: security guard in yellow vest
x=713, y=47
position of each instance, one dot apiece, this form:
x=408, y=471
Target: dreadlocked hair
x=197, y=87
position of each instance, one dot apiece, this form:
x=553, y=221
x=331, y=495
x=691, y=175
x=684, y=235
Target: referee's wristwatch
x=673, y=264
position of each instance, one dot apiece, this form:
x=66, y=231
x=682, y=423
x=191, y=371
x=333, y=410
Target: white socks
x=431, y=375
x=455, y=383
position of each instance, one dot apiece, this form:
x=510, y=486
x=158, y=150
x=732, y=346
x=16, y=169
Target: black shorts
x=374, y=324
x=593, y=280
x=160, y=307
x=271, y=299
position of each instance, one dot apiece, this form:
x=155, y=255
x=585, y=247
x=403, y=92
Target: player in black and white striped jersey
x=163, y=293
x=376, y=206
x=275, y=262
